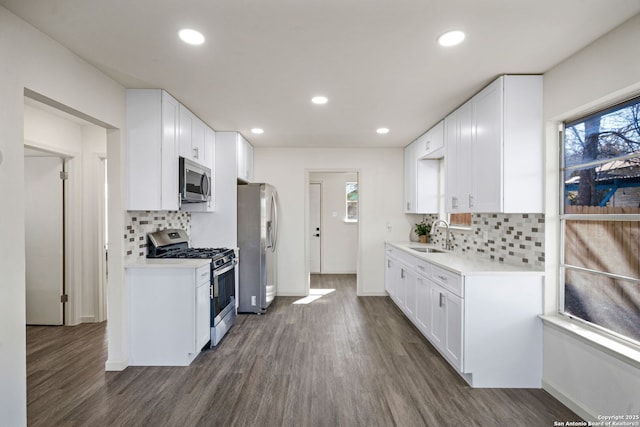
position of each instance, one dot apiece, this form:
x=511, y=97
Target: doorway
x=332, y=223
x=44, y=238
x=65, y=217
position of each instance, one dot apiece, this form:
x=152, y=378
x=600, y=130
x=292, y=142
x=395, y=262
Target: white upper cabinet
x=152, y=148
x=194, y=138
x=431, y=144
x=410, y=179
x=245, y=159
x=457, y=159
x=239, y=161
x=421, y=171
x=198, y=141
x=494, y=149
x=159, y=130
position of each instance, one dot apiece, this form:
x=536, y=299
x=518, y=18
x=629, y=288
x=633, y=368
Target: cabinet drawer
x=448, y=280
x=203, y=275
x=423, y=268
x=400, y=255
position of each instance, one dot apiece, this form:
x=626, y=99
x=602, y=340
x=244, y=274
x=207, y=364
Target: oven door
x=224, y=291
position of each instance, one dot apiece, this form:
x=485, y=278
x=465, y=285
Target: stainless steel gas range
x=174, y=243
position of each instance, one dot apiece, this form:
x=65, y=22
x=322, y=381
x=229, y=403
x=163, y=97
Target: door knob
x=316, y=235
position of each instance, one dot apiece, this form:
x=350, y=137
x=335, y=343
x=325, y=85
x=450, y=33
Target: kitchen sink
x=426, y=249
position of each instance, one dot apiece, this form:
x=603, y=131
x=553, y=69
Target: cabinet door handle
x=454, y=202
x=195, y=153
x=211, y=292
x=402, y=273
x=408, y=206
x=471, y=200
x=388, y=263
x=427, y=145
x=205, y=274
x=443, y=278
x=441, y=302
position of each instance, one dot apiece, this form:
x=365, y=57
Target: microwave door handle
x=204, y=186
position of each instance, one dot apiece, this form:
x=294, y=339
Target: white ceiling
x=376, y=60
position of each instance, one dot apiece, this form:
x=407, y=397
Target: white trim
x=116, y=365
x=624, y=352
x=576, y=407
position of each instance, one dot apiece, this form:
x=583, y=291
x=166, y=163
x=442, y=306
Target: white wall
x=82, y=144
x=339, y=251
x=603, y=73
x=380, y=178
x=34, y=61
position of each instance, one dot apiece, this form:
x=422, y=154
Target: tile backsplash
x=516, y=239
x=139, y=223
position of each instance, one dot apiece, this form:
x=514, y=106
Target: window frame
x=565, y=217
x=348, y=202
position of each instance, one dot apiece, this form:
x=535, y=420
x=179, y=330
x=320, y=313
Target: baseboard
x=576, y=407
x=88, y=319
x=373, y=294
x=337, y=273
x=116, y=365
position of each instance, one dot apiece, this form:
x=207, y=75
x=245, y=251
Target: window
x=460, y=220
x=351, y=203
x=600, y=220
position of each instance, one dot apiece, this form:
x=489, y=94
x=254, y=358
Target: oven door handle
x=225, y=269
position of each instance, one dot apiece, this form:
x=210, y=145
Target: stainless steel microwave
x=194, y=182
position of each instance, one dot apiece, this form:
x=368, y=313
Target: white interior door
x=315, y=236
x=43, y=240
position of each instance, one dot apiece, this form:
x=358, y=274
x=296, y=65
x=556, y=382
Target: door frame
x=320, y=220
x=100, y=297
x=307, y=241
x=72, y=253
x=69, y=279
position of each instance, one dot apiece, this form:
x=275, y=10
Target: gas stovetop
x=193, y=253
x=174, y=243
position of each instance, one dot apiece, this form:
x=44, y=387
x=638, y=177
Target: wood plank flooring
x=341, y=360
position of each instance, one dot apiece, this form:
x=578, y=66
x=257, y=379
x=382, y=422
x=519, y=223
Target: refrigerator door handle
x=270, y=234
x=274, y=218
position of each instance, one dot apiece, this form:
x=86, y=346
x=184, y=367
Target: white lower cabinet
x=409, y=279
x=169, y=314
x=400, y=282
x=389, y=276
x=423, y=302
x=485, y=324
x=203, y=306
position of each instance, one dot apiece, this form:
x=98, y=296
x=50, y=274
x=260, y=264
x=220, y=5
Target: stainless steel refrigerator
x=257, y=240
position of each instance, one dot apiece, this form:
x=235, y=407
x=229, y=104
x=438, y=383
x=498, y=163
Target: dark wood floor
x=338, y=361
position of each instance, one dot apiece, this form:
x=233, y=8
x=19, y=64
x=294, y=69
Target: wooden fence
x=608, y=246
x=611, y=246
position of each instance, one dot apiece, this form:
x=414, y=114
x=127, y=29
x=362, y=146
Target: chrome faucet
x=447, y=240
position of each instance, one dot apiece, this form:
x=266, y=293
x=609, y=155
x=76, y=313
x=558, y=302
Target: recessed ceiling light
x=451, y=38
x=257, y=131
x=191, y=36
x=382, y=131
x=319, y=100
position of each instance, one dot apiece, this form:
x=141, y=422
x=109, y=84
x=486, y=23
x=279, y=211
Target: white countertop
x=167, y=262
x=463, y=263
